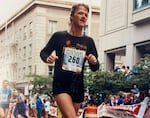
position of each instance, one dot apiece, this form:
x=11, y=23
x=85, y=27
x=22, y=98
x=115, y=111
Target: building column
x=101, y=59
x=129, y=55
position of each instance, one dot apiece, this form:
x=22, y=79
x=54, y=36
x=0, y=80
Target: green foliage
x=42, y=84
x=143, y=76
x=112, y=82
x=108, y=83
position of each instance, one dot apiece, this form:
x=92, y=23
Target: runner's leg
x=77, y=107
x=1, y=113
x=6, y=112
x=65, y=104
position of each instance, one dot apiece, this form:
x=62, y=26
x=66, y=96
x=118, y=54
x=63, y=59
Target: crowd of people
x=16, y=104
x=13, y=103
x=134, y=96
x=126, y=71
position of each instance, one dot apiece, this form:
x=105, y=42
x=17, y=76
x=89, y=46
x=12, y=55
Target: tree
x=142, y=78
x=42, y=84
x=107, y=82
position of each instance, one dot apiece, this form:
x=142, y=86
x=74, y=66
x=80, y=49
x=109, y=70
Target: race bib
x=3, y=98
x=73, y=59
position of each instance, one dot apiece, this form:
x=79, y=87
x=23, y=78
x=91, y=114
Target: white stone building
x=124, y=31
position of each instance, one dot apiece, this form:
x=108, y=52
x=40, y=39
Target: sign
x=123, y=111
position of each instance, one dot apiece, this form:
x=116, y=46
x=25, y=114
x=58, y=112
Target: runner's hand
x=51, y=59
x=91, y=59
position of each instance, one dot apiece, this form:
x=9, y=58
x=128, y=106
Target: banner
x=123, y=111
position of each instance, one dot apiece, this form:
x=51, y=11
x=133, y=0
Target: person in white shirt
x=47, y=106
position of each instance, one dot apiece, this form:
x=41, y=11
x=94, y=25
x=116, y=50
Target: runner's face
x=5, y=84
x=80, y=16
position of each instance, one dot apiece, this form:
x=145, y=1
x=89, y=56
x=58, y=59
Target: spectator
x=85, y=102
x=32, y=106
x=117, y=69
x=123, y=70
x=101, y=98
x=135, y=100
x=112, y=100
x=92, y=100
x=97, y=102
x=127, y=100
x=20, y=108
x=135, y=90
x=12, y=104
x=120, y=100
x=108, y=101
x=5, y=95
x=47, y=107
x=128, y=73
x=39, y=106
x=135, y=70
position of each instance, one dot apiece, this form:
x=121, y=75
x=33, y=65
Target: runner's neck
x=76, y=32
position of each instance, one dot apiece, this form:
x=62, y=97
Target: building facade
x=124, y=32
x=24, y=35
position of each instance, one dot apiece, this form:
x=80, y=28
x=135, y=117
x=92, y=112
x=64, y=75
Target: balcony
x=141, y=11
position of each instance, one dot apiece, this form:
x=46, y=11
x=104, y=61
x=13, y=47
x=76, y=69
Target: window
x=17, y=35
x=24, y=52
x=19, y=73
x=25, y=33
x=52, y=27
x=50, y=70
x=19, y=53
x=140, y=4
x=20, y=33
x=30, y=69
x=30, y=50
x=86, y=30
x=30, y=29
x=24, y=71
x=117, y=58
